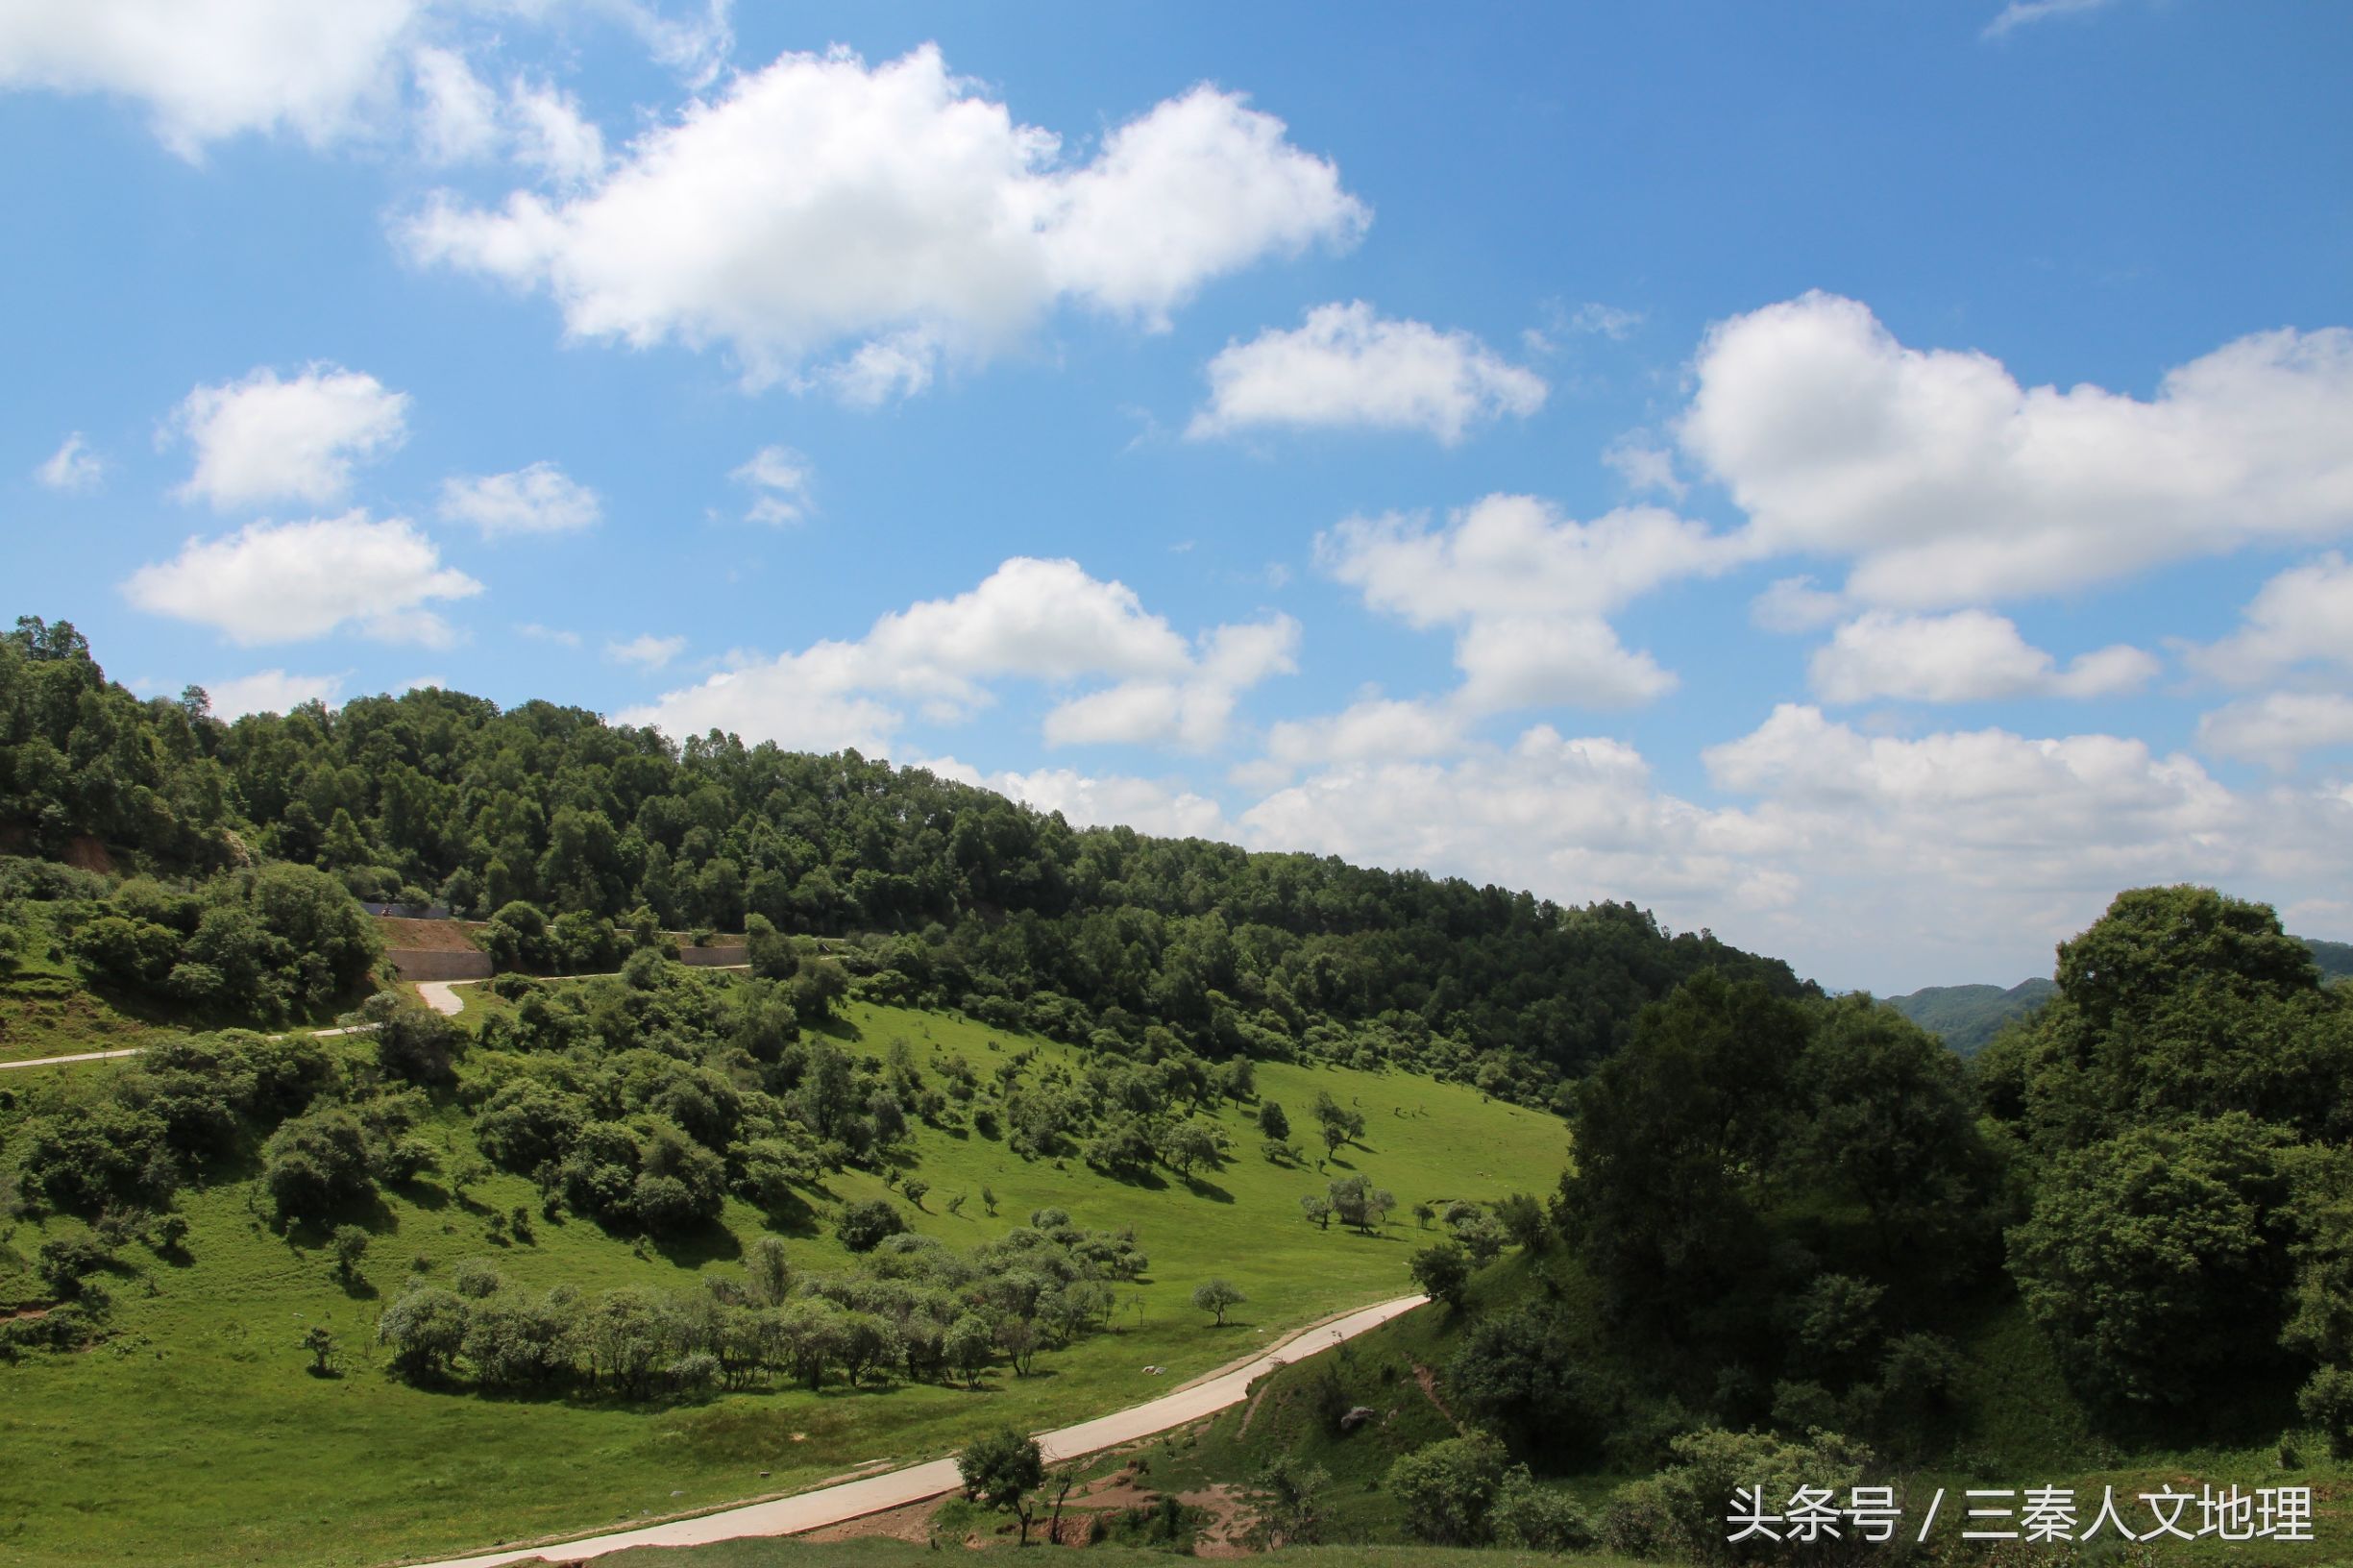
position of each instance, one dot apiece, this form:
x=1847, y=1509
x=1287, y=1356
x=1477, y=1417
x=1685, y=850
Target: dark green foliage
x=1217, y=1297
x=562, y=825
x=771, y=953
x=526, y=1124
x=1531, y=1517
x=350, y=1244
x=265, y=944
x=1004, y=1469
x=1680, y=1513
x=413, y=1043
x=65, y=1261
x=1513, y=1374
x=1449, y=1489
x=314, y=1165
x=88, y=1154
x=1673, y=1138
x=2157, y=1261
x=2326, y=1401
x=2178, y=1107
x=84, y=759
x=1442, y=1271
x=863, y=1226
x=424, y=1329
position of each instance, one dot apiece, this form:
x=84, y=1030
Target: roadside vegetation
x=238, y=1398
x=1006, y=1124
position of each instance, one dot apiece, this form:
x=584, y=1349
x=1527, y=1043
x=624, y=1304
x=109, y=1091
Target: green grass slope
x=47, y=1010
x=194, y=1433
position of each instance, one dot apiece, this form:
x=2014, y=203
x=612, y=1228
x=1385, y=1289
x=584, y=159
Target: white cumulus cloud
x=271, y=691
x=1196, y=710
x=2303, y=616
x=264, y=439
x=541, y=499
x=1107, y=801
x=1044, y=621
x=1370, y=730
x=821, y=203
x=1529, y=590
x=1947, y=484
x=208, y=69
x=286, y=582
x=1347, y=367
x=2278, y=728
x=1867, y=860
x=1967, y=657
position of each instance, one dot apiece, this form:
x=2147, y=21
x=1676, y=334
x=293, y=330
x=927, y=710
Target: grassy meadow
x=195, y=1433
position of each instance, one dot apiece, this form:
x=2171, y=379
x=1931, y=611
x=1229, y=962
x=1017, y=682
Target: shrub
x=1448, y=1488
x=315, y=1163
x=2325, y=1402
x=863, y=1226
x=1536, y=1518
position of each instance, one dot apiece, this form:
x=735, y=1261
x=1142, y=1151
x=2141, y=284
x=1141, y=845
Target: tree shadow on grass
x=1149, y=1180
x=1211, y=1191
x=790, y=1215
x=708, y=1243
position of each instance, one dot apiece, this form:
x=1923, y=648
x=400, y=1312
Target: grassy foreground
x=195, y=1433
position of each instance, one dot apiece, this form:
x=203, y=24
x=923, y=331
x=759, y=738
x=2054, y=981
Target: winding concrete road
x=896, y=1489
x=437, y=995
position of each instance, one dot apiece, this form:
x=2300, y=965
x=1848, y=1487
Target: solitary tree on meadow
x=1217, y=1297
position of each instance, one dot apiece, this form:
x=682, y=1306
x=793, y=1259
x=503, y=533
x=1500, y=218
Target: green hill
x=2334, y=958
x=193, y=1431
x=955, y=896
x=1967, y=1017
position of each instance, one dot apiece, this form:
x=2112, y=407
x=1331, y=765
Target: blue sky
x=1869, y=480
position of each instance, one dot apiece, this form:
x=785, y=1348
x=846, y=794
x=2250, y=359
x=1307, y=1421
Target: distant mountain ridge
x=1967, y=1017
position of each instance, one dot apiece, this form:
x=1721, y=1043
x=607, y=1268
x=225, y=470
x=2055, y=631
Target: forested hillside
x=1801, y=1245
x=1967, y=1017
x=963, y=896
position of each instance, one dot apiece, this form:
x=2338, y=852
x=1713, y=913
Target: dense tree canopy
x=956, y=895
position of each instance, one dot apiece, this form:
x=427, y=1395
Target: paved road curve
x=856, y=1499
x=441, y=995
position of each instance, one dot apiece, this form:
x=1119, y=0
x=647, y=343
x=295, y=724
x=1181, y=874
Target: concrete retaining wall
x=713, y=957
x=438, y=964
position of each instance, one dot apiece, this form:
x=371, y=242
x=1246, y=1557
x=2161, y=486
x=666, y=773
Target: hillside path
x=441, y=995
x=896, y=1489
x=137, y=1050
x=63, y=1061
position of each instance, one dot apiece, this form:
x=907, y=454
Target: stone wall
x=438, y=964
x=712, y=958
